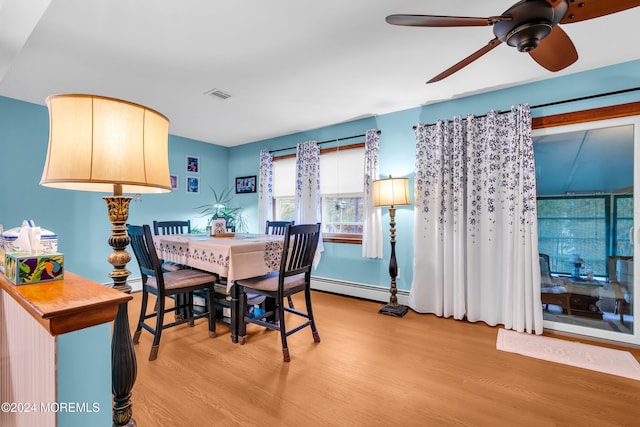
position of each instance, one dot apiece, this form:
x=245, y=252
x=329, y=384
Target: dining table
x=232, y=257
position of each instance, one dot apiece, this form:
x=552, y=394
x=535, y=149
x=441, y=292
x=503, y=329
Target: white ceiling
x=289, y=65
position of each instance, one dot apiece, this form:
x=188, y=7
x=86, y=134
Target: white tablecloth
x=239, y=257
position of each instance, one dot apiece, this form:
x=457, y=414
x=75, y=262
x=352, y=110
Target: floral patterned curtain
x=372, y=227
x=265, y=188
x=308, y=204
x=476, y=238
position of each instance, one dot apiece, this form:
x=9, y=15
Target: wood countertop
x=67, y=305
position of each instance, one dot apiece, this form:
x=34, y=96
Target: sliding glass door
x=586, y=214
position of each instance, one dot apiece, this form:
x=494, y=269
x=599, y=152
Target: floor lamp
x=392, y=192
x=104, y=144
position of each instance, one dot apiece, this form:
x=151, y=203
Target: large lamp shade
x=98, y=143
x=391, y=192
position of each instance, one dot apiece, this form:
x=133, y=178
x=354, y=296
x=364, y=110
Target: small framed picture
x=174, y=181
x=193, y=164
x=246, y=184
x=193, y=184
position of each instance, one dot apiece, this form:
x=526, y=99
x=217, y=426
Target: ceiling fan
x=529, y=25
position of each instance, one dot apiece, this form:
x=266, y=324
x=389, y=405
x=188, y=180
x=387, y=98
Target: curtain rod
x=566, y=101
x=326, y=142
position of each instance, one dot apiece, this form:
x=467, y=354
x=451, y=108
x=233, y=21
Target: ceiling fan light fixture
x=526, y=37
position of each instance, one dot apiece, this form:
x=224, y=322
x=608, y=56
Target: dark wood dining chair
x=171, y=227
x=619, y=285
x=164, y=284
x=552, y=291
x=279, y=228
x=298, y=249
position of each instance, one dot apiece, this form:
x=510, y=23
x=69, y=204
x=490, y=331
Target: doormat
x=586, y=356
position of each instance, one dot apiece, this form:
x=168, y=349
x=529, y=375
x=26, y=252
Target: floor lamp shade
x=391, y=192
x=97, y=143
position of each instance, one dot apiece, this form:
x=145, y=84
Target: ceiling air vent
x=217, y=93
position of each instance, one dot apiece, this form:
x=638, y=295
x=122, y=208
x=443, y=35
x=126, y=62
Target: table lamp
x=105, y=144
x=392, y=192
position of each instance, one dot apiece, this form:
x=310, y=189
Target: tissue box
x=48, y=243
x=26, y=269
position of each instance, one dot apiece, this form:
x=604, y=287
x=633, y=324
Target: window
x=284, y=188
x=591, y=226
x=342, y=213
x=341, y=191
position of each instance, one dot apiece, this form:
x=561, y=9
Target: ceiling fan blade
x=443, y=21
x=468, y=60
x=588, y=9
x=556, y=51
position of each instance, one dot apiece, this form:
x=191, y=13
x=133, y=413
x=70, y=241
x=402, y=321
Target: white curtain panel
x=308, y=203
x=372, y=226
x=476, y=236
x=265, y=188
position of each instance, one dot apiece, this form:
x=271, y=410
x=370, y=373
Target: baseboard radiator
x=358, y=290
x=340, y=287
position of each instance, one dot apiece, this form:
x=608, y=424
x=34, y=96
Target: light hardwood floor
x=369, y=370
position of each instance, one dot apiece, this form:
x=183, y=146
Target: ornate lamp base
x=124, y=367
x=394, y=310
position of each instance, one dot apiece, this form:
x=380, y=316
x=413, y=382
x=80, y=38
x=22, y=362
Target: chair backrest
x=145, y=252
x=613, y=268
x=298, y=250
x=545, y=271
x=171, y=227
x=277, y=227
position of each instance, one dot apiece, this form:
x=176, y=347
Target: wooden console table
x=37, y=327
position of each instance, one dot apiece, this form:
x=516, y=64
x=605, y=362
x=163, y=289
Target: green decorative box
x=26, y=269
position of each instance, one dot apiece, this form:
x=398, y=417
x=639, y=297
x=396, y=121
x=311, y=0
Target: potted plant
x=219, y=208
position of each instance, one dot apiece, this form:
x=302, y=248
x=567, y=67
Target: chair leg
x=189, y=309
x=620, y=306
x=283, y=330
x=314, y=330
x=143, y=311
x=178, y=314
x=242, y=312
x=290, y=301
x=156, y=337
x=212, y=312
